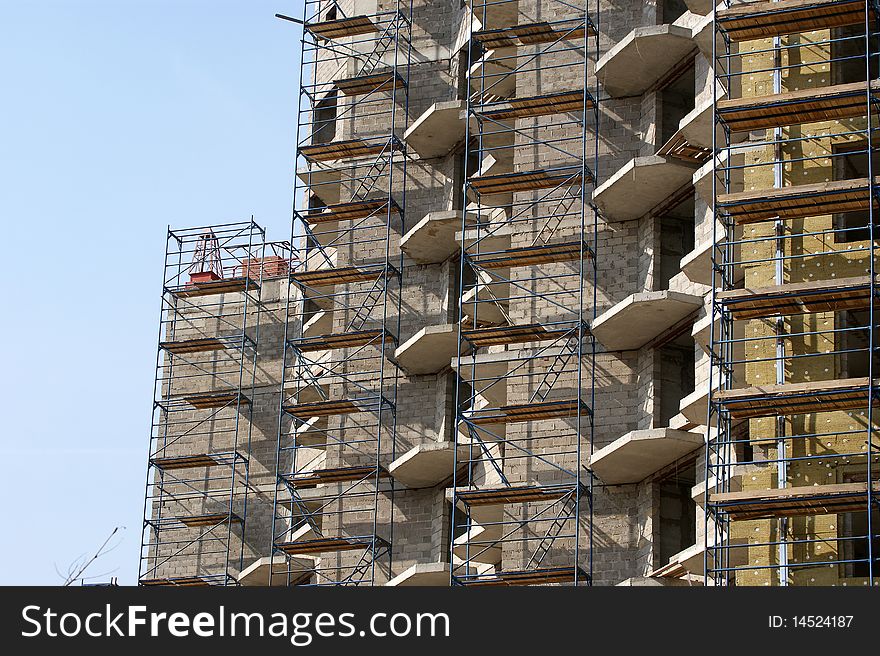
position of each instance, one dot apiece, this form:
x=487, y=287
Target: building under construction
x=575, y=293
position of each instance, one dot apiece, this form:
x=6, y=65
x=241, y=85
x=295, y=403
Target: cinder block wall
x=626, y=382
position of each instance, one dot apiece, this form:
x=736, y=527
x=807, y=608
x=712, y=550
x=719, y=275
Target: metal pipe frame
x=363, y=306
x=799, y=447
x=195, y=514
x=549, y=539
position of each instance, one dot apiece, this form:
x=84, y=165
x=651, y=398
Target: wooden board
x=554, y=103
x=179, y=581
x=509, y=414
x=521, y=494
x=212, y=519
x=680, y=148
x=761, y=20
x=528, y=255
x=185, y=462
x=503, y=183
x=831, y=103
x=336, y=475
x=342, y=27
x=795, y=398
x=323, y=545
x=348, y=149
x=793, y=502
x=339, y=276
x=796, y=202
x=798, y=298
x=534, y=33
x=351, y=211
x=223, y=286
x=199, y=345
x=321, y=409
x=533, y=332
x=373, y=83
x=342, y=340
x=204, y=400
x=539, y=576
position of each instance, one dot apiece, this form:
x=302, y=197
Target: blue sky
x=118, y=118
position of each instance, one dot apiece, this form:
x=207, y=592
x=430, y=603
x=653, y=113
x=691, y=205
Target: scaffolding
x=521, y=495
x=333, y=499
x=196, y=496
x=792, y=463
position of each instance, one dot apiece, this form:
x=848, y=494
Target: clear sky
x=117, y=118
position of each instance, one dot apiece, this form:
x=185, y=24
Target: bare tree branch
x=78, y=567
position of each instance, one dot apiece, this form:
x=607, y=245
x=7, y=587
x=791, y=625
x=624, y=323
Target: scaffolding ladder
x=196, y=496
x=521, y=495
x=333, y=506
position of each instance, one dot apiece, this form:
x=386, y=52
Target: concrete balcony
x=429, y=574
x=432, y=239
x=695, y=405
x=495, y=68
x=284, y=571
x=427, y=465
x=639, y=318
x=320, y=323
x=697, y=265
x=654, y=582
x=482, y=301
x=734, y=484
x=641, y=185
x=429, y=350
x=479, y=544
x=439, y=130
x=642, y=58
x=692, y=142
x=702, y=34
x=691, y=562
x=641, y=453
x=702, y=331
x=323, y=181
x=311, y=433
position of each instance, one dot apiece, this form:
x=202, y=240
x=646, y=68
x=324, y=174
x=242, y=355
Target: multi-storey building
x=575, y=293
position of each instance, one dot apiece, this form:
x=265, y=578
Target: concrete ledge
x=480, y=299
x=311, y=433
x=497, y=66
x=640, y=453
x=697, y=265
x=702, y=331
x=696, y=126
x=686, y=561
x=639, y=318
x=432, y=239
x=320, y=323
x=284, y=570
x=698, y=491
x=426, y=465
x=491, y=239
x=641, y=185
x=436, y=132
x=695, y=405
x=702, y=36
x=483, y=552
x=690, y=561
x=433, y=574
x=655, y=582
x=323, y=181
x=644, y=56
x=429, y=350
